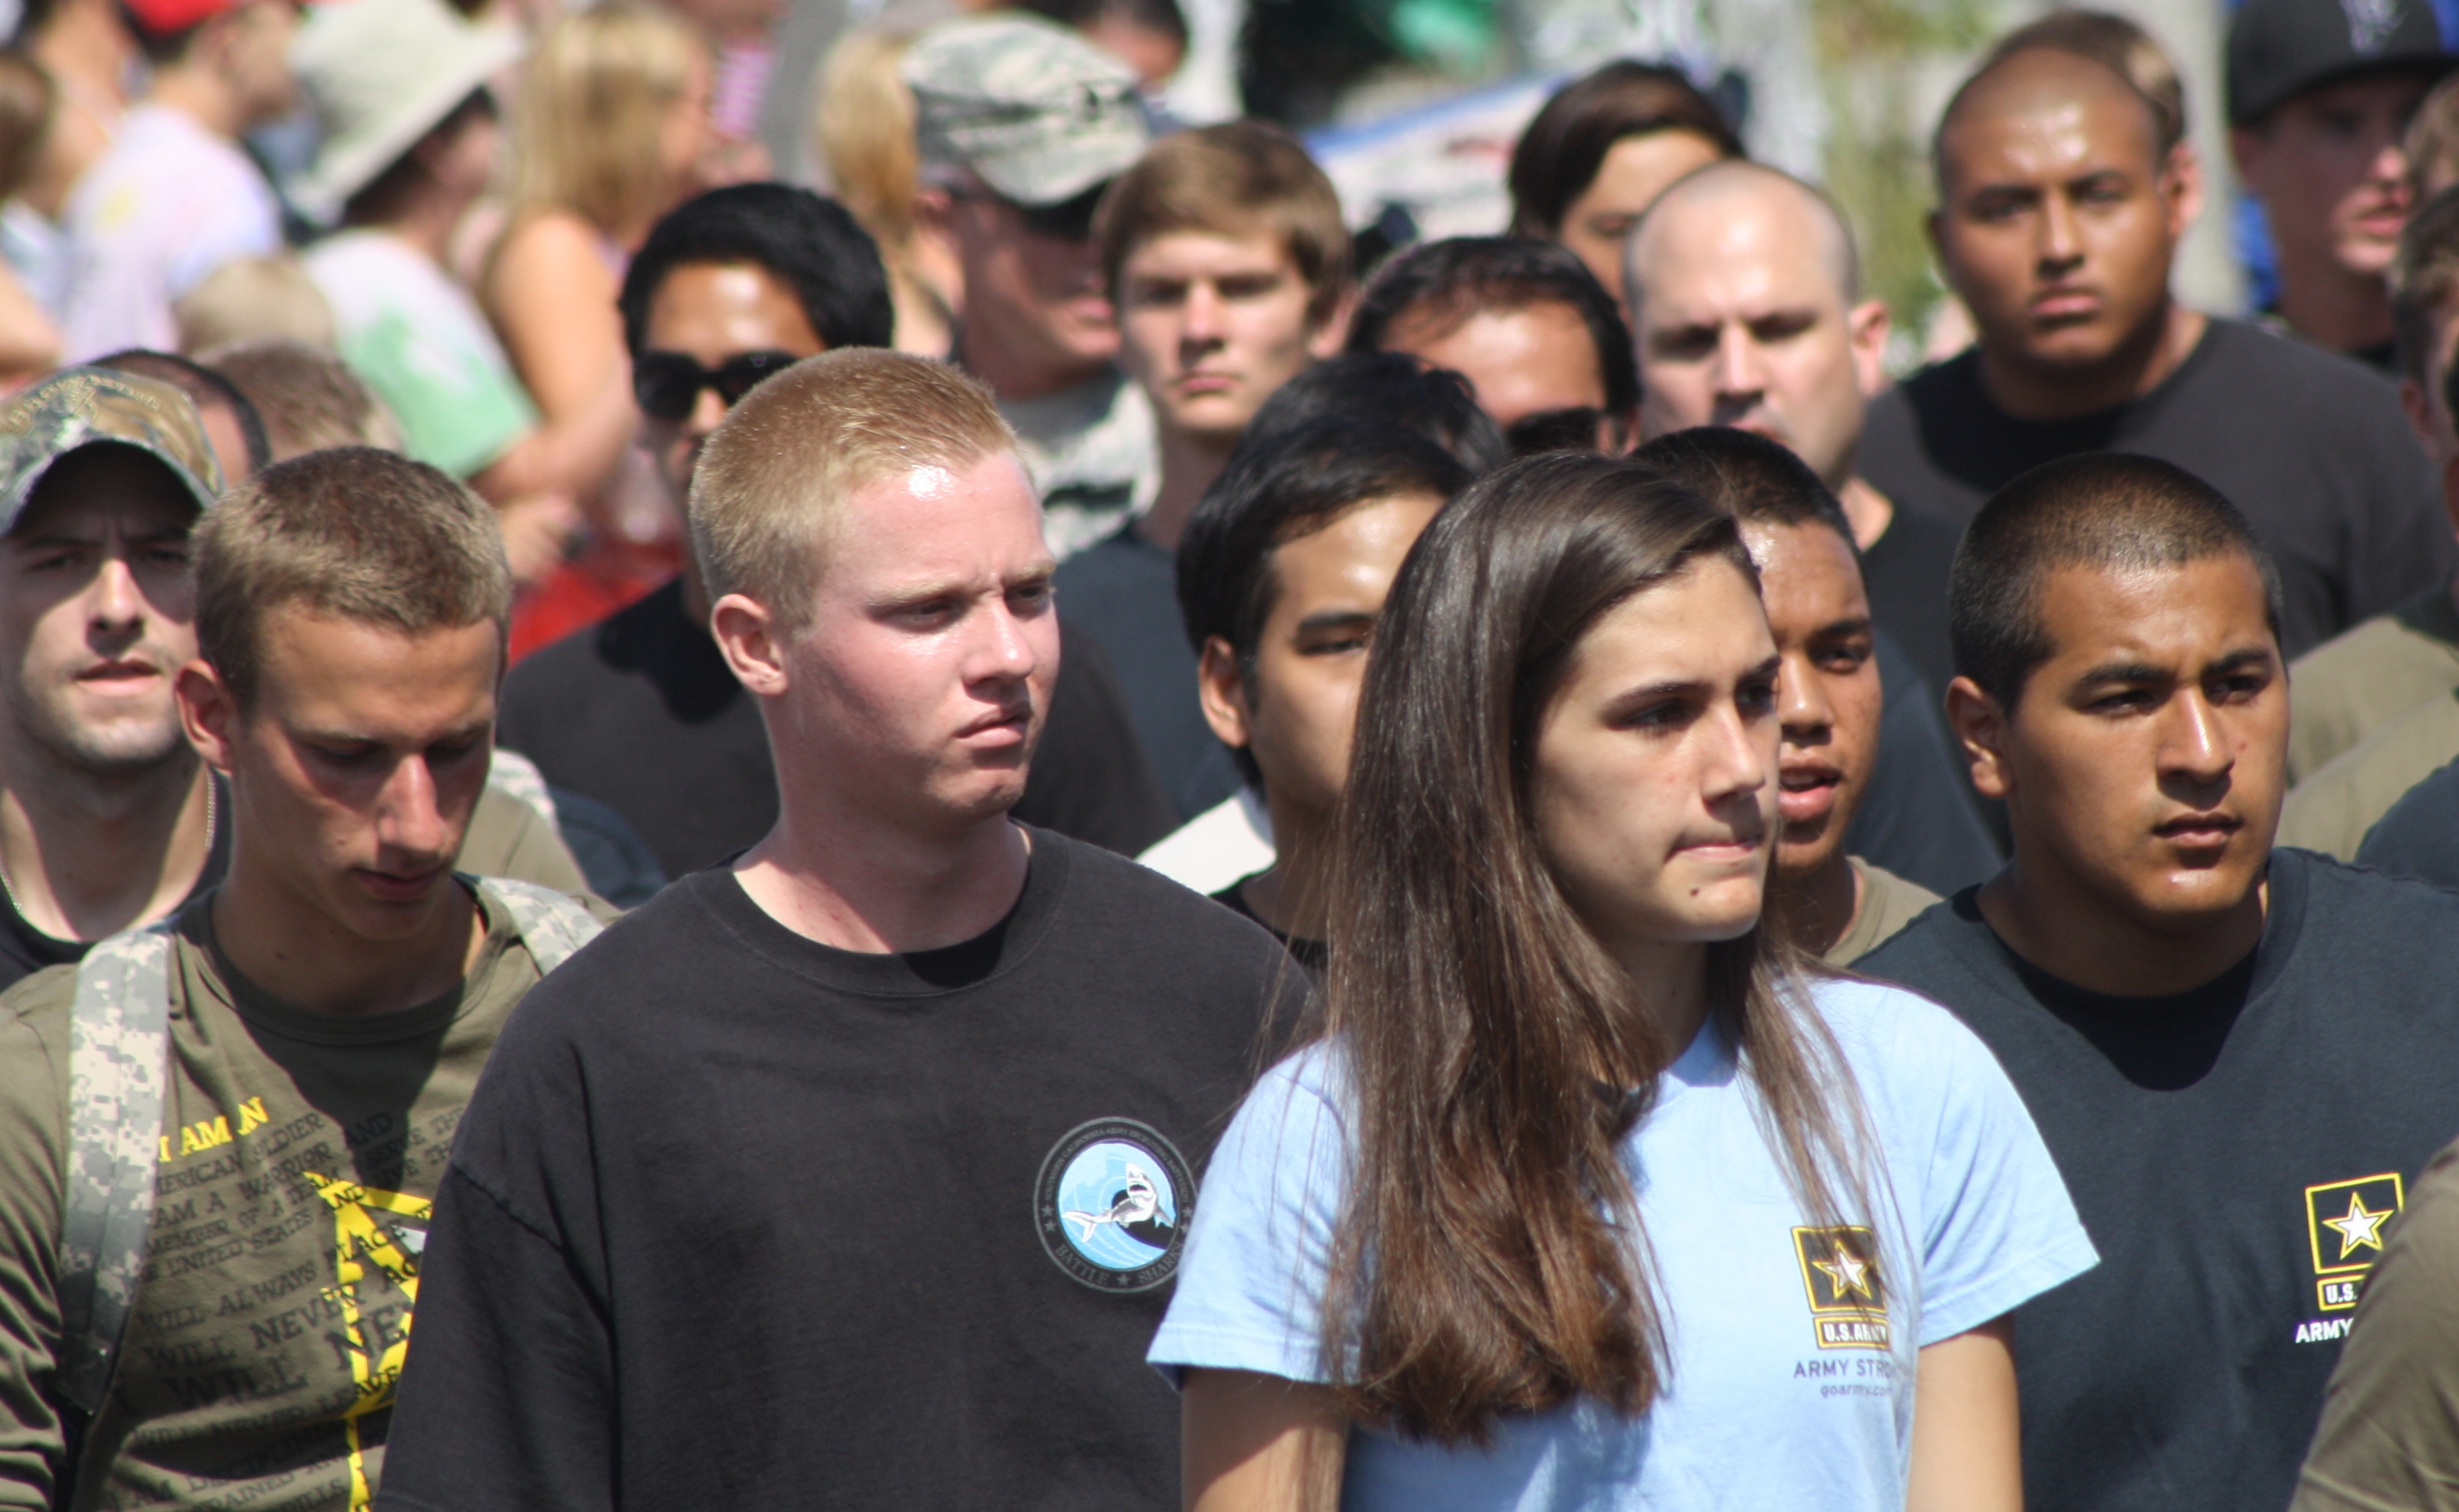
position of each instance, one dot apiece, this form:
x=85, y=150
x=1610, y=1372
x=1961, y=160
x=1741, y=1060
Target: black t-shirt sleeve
x=506, y=1400
x=1091, y=780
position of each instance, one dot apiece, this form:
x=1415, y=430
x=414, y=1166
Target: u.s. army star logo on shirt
x=2346, y=1223
x=1848, y=1300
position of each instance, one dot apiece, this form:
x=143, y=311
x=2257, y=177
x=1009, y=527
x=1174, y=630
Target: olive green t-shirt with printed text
x=299, y=1152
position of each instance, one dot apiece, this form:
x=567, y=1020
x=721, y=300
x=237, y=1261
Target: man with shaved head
x=2059, y=214
x=1745, y=300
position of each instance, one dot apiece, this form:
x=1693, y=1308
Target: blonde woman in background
x=610, y=126
x=862, y=129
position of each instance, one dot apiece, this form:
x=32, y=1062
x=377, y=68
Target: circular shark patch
x=1113, y=1204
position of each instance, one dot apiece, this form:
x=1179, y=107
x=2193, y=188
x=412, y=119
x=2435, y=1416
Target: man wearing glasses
x=1021, y=126
x=640, y=712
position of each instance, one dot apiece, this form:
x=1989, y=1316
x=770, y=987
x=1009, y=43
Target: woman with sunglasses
x=1589, y=1193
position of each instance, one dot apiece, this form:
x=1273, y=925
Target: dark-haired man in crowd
x=638, y=712
x=2320, y=94
x=1226, y=255
x=1282, y=575
x=898, y=1199
x=2058, y=219
x=108, y=819
x=1021, y=124
x=1830, y=695
x=1526, y=322
x=1233, y=839
x=219, y=1140
x=2238, y=1056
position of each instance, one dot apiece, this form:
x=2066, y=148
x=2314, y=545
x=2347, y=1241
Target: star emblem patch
x=2346, y=1223
x=1846, y=1286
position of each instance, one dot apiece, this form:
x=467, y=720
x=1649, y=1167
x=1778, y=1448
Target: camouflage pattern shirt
x=299, y=1152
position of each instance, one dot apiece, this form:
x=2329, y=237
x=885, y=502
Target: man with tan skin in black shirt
x=2058, y=219
x=2238, y=1055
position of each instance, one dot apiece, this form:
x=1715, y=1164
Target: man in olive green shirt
x=332, y=1002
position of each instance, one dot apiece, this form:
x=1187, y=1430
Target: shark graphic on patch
x=1112, y=1205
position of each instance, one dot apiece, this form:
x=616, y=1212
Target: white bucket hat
x=379, y=75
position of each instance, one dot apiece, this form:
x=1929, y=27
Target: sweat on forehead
x=2105, y=511
x=2037, y=81
x=1707, y=200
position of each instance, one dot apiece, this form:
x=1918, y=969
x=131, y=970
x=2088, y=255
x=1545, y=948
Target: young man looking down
x=2238, y=1056
x=327, y=1009
x=968, y=1071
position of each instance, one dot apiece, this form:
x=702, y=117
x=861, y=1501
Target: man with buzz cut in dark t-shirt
x=2057, y=221
x=2239, y=1057
x=854, y=1173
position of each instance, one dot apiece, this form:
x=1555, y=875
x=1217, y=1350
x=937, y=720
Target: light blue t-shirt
x=1792, y=1347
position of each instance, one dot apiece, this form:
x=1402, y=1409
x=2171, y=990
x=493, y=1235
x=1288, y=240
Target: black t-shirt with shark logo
x=2238, y=1154
x=739, y=1220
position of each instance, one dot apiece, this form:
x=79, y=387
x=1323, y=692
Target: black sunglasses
x=1573, y=430
x=668, y=384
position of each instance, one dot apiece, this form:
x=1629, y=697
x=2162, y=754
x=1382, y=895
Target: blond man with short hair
x=1225, y=253
x=289, y=1054
x=871, y=1151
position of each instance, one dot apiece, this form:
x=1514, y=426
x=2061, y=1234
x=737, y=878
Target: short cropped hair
x=1445, y=282
x=2128, y=51
x=1237, y=178
x=307, y=397
x=773, y=480
x=1296, y=483
x=2106, y=511
x=1756, y=480
x=353, y=534
x=813, y=244
x=207, y=390
x=2424, y=280
x=2121, y=46
x=1561, y=152
x=1393, y=388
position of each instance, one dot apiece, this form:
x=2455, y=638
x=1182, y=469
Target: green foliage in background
x=1872, y=53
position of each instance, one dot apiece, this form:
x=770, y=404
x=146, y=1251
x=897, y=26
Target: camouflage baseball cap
x=82, y=407
x=1040, y=114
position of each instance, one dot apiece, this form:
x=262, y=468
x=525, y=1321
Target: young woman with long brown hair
x=1587, y=1195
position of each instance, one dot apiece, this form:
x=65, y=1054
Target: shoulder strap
x=552, y=924
x=118, y=1062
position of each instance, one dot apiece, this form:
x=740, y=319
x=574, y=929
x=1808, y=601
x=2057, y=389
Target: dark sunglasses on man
x=668, y=384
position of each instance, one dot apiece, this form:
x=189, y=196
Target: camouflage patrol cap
x=1037, y=112
x=82, y=407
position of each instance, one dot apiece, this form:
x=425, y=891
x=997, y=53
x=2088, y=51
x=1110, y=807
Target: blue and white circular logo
x=1113, y=1204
